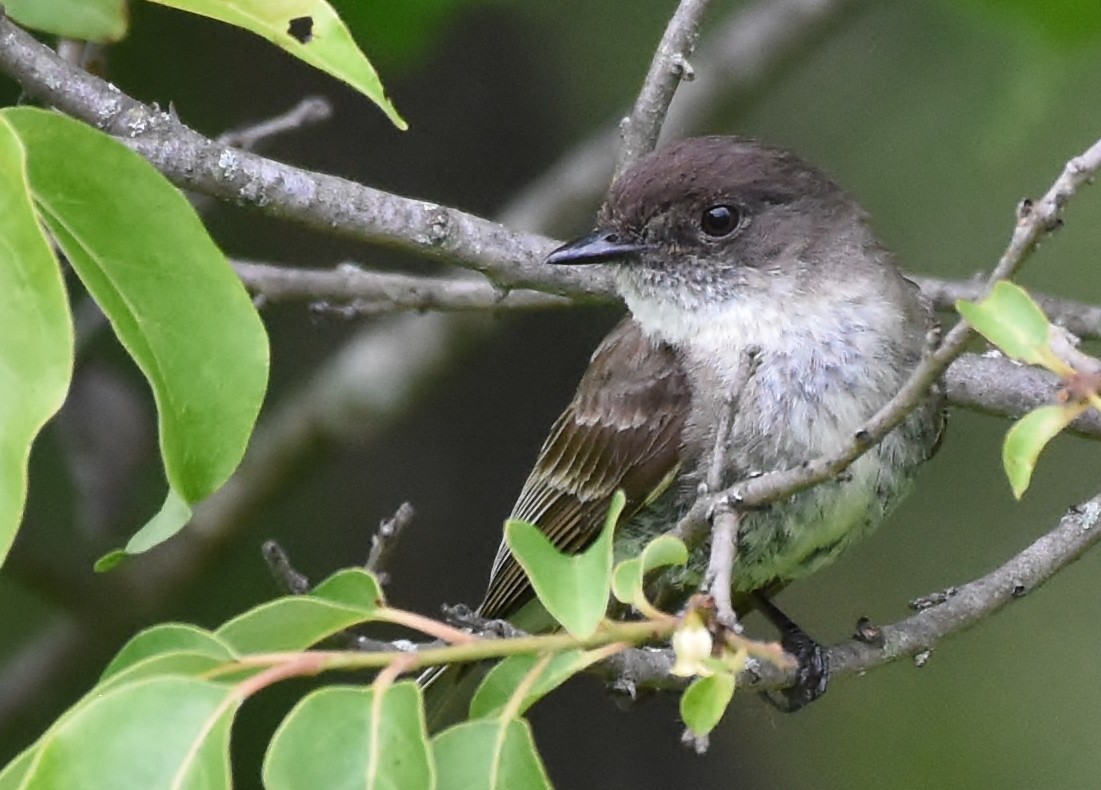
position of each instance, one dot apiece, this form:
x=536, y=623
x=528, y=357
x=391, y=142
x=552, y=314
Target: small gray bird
x=722, y=246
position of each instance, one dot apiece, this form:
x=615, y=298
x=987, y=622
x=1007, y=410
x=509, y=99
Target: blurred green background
x=938, y=116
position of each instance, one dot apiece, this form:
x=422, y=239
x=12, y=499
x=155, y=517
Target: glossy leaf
x=102, y=21
x=1027, y=438
x=36, y=346
x=159, y=732
x=169, y=294
x=348, y=738
x=573, y=588
x=294, y=622
x=488, y=754
x=704, y=702
x=308, y=29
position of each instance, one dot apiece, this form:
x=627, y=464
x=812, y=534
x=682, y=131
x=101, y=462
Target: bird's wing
x=622, y=430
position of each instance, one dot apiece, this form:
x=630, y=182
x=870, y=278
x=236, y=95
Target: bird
x=723, y=247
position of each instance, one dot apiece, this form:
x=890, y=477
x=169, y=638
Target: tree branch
x=349, y=289
x=957, y=610
x=640, y=130
x=335, y=205
x=995, y=385
x=938, y=617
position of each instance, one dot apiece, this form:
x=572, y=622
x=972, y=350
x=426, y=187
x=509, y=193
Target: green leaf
x=630, y=575
x=342, y=738
x=488, y=754
x=36, y=346
x=295, y=622
x=166, y=638
x=1027, y=438
x=573, y=588
x=102, y=21
x=169, y=294
x=501, y=682
x=704, y=702
x=173, y=515
x=1010, y=320
x=352, y=587
x=158, y=732
x=11, y=778
x=178, y=663
x=324, y=41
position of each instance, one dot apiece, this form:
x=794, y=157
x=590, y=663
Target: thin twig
x=724, y=518
x=350, y=290
x=311, y=110
x=725, y=521
x=371, y=292
x=640, y=130
x=285, y=574
x=385, y=539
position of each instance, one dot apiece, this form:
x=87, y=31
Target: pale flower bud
x=692, y=646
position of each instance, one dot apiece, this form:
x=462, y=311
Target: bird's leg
x=812, y=675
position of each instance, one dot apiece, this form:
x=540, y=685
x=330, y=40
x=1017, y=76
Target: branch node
x=869, y=633
x=384, y=540
x=282, y=571
x=933, y=599
x=683, y=68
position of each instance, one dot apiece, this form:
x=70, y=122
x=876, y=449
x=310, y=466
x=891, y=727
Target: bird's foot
x=812, y=674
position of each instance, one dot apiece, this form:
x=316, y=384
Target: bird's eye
x=719, y=221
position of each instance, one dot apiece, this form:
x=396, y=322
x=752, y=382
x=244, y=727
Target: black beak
x=599, y=246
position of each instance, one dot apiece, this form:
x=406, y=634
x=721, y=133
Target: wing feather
x=621, y=430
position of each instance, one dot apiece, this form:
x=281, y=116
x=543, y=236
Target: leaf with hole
x=310, y=30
